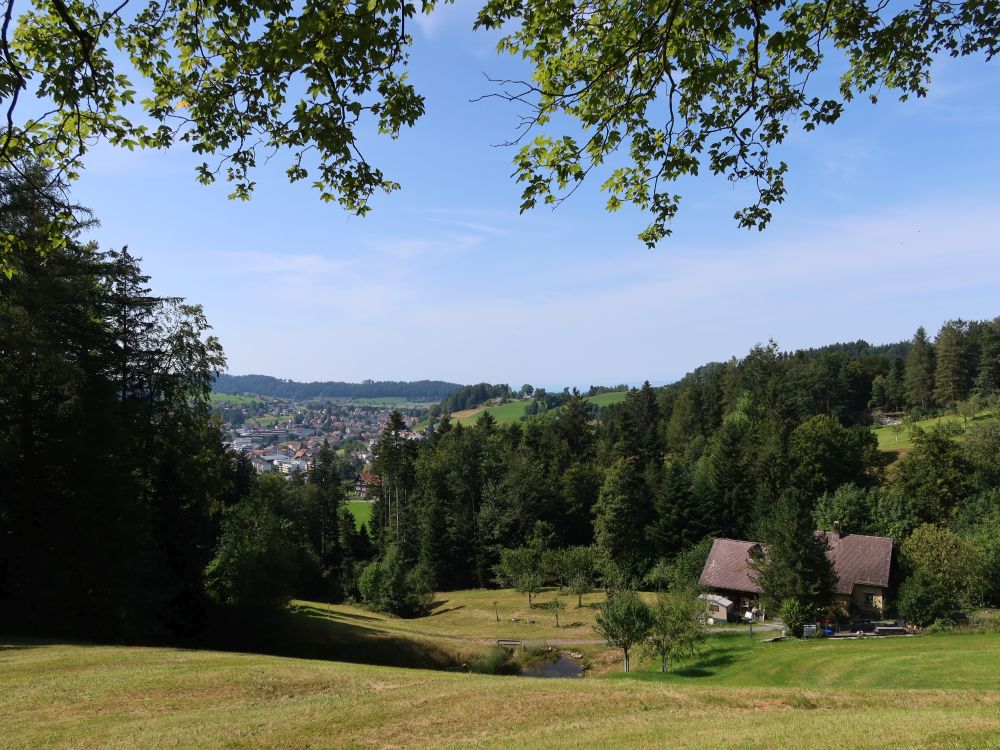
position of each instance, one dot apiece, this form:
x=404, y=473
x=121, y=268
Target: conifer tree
x=792, y=564
x=918, y=373
x=620, y=517
x=952, y=375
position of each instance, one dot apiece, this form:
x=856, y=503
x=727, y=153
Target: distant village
x=284, y=437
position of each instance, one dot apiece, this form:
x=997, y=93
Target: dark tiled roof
x=856, y=559
x=859, y=559
x=726, y=566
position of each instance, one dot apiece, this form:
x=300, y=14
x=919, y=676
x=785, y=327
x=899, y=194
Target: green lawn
x=63, y=696
x=362, y=511
x=965, y=661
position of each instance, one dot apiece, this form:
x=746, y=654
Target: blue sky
x=892, y=221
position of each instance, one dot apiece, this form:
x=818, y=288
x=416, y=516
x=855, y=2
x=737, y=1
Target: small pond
x=561, y=667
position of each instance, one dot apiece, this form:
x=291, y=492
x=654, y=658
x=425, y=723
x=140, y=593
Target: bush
x=794, y=614
x=922, y=600
x=942, y=625
x=495, y=661
x=395, y=586
x=257, y=562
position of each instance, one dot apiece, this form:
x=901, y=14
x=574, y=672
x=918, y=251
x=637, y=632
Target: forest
x=122, y=516
x=265, y=385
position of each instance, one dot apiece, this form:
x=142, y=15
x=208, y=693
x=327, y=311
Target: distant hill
x=265, y=385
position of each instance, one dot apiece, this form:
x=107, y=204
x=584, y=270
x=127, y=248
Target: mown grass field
x=929, y=692
x=361, y=510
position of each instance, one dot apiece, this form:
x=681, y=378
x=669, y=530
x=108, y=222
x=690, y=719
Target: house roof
x=726, y=566
x=859, y=559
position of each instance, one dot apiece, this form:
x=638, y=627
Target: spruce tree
x=792, y=563
x=918, y=374
x=952, y=373
x=620, y=517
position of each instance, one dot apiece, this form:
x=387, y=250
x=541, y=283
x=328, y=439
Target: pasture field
x=229, y=398
x=513, y=411
x=508, y=413
x=607, y=399
x=361, y=510
x=891, y=442
x=937, y=692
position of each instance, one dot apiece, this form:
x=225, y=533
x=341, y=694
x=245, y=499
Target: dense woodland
x=265, y=385
x=122, y=516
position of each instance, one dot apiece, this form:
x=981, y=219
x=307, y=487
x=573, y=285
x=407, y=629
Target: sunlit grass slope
x=98, y=696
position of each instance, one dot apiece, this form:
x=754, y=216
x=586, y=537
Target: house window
x=713, y=608
x=870, y=600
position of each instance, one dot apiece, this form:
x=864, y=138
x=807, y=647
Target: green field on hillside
x=513, y=411
x=891, y=441
x=269, y=420
x=939, y=692
x=229, y=398
x=508, y=413
x=378, y=401
x=362, y=511
x=607, y=399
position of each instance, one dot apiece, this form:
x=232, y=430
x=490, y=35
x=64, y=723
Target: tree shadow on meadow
x=316, y=633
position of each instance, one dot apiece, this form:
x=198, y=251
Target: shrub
x=794, y=614
x=922, y=600
x=495, y=661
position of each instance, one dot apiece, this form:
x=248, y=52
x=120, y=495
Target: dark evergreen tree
x=954, y=363
x=792, y=562
x=919, y=371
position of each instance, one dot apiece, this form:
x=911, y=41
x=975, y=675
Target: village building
x=862, y=565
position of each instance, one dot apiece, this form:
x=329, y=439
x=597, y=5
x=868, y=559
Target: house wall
x=718, y=612
x=868, y=599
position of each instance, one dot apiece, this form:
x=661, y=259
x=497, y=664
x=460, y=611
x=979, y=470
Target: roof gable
x=726, y=566
x=857, y=560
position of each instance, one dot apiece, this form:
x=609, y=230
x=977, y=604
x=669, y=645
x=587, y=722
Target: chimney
x=836, y=529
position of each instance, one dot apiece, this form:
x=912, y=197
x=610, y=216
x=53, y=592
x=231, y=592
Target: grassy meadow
x=229, y=398
x=891, y=442
x=924, y=692
x=513, y=411
x=607, y=399
x=361, y=510
x=508, y=413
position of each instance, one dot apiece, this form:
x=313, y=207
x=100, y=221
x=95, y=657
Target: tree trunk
x=626, y=658
x=663, y=664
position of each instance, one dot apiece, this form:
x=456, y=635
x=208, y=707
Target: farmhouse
x=862, y=564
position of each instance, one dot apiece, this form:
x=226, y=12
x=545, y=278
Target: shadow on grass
x=315, y=611
x=316, y=633
x=706, y=667
x=438, y=608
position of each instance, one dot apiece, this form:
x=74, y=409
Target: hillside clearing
x=607, y=399
x=361, y=510
x=891, y=442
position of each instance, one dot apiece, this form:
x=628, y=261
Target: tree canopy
x=663, y=89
